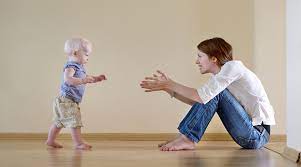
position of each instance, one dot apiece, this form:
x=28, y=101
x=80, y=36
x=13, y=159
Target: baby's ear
x=74, y=53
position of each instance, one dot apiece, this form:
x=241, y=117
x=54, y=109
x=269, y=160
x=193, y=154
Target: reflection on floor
x=136, y=153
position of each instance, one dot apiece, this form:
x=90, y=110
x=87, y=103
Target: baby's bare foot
x=181, y=143
x=83, y=146
x=53, y=144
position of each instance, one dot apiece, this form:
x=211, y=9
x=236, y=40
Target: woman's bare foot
x=53, y=144
x=168, y=141
x=83, y=146
x=162, y=144
x=180, y=143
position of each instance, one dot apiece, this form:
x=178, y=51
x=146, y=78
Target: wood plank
x=292, y=154
x=33, y=153
x=126, y=136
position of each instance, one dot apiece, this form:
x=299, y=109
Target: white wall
x=293, y=44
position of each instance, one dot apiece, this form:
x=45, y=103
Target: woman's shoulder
x=233, y=65
x=233, y=68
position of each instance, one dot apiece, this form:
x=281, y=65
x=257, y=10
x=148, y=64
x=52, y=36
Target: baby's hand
x=100, y=78
x=89, y=79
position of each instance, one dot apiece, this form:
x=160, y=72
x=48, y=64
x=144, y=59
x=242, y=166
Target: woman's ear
x=214, y=59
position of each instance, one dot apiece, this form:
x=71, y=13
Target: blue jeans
x=234, y=117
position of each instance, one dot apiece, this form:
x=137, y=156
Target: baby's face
x=83, y=55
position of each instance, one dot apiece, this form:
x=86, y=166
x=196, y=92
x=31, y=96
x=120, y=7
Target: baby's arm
x=69, y=79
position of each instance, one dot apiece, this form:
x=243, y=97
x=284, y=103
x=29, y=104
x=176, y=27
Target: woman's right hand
x=157, y=82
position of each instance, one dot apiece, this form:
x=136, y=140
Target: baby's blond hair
x=75, y=44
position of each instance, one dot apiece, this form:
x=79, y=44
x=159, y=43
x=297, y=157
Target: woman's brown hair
x=217, y=47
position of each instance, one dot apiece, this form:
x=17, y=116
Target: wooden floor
x=136, y=154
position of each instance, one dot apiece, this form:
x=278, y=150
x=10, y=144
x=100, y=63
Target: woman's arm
x=180, y=98
x=162, y=82
x=185, y=94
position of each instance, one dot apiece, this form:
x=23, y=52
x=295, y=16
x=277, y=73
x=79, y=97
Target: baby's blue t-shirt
x=74, y=93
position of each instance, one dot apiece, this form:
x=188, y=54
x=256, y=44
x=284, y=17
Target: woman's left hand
x=157, y=82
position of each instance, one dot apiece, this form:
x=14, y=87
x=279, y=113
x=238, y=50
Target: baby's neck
x=72, y=58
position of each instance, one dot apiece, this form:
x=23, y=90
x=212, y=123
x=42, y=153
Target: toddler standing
x=66, y=106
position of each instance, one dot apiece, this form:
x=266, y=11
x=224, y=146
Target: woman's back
x=249, y=91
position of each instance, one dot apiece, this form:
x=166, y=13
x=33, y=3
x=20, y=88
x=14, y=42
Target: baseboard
x=292, y=154
x=126, y=136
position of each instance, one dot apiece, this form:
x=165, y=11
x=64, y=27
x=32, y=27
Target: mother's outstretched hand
x=157, y=82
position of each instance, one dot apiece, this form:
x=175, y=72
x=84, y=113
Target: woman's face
x=206, y=64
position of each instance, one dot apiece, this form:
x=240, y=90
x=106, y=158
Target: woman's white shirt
x=245, y=86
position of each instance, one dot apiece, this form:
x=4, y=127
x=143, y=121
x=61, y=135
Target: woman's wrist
x=172, y=94
x=169, y=88
x=168, y=85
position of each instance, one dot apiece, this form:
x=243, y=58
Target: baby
x=66, y=106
